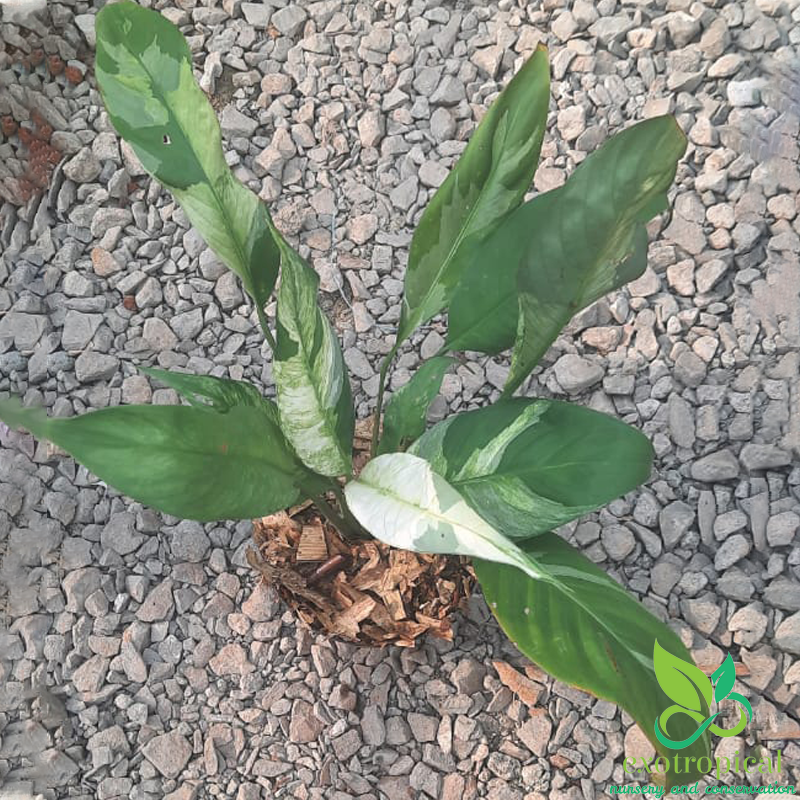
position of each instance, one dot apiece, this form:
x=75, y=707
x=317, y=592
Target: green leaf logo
x=724, y=676
x=681, y=681
x=688, y=687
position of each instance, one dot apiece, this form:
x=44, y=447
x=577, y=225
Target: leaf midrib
x=180, y=447
x=560, y=586
x=330, y=427
x=467, y=222
x=402, y=501
x=226, y=174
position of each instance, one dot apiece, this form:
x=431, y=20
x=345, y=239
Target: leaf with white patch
x=194, y=463
x=528, y=466
x=489, y=180
x=144, y=71
x=314, y=396
x=400, y=500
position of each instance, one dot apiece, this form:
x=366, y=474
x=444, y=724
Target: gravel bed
x=138, y=659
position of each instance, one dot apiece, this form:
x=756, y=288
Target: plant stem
x=262, y=319
x=333, y=516
x=348, y=514
x=376, y=422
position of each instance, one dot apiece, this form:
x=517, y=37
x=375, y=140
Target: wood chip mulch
x=362, y=591
x=365, y=592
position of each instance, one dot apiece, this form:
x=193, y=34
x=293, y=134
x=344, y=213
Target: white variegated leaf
x=400, y=500
x=314, y=397
x=528, y=466
x=144, y=71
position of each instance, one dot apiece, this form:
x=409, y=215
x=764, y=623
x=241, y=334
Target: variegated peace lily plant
x=492, y=483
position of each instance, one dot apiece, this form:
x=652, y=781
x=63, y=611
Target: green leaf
x=314, y=397
x=489, y=180
x=406, y=413
x=206, y=391
x=189, y=462
x=564, y=249
x=724, y=676
x=586, y=630
x=528, y=466
x=400, y=500
x=588, y=237
x=483, y=312
x=144, y=70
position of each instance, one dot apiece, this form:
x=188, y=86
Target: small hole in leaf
x=166, y=139
x=527, y=611
x=494, y=605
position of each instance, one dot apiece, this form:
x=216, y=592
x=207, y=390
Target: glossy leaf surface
x=189, y=462
x=564, y=249
x=489, y=180
x=400, y=500
x=528, y=466
x=314, y=396
x=584, y=629
x=407, y=411
x=144, y=71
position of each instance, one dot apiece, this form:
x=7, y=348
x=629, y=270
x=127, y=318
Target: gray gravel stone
x=89, y=676
x=745, y=93
x=158, y=335
x=120, y=534
x=78, y=585
x=289, y=20
x=618, y=541
x=79, y=329
x=719, y=466
x=234, y=123
x=257, y=14
x=169, y=753
x=764, y=456
x=83, y=167
x=158, y=604
x=91, y=366
x=189, y=541
x=468, y=676
x=373, y=728
x=575, y=374
x=782, y=528
x=733, y=549
x=787, y=635
x=304, y=726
